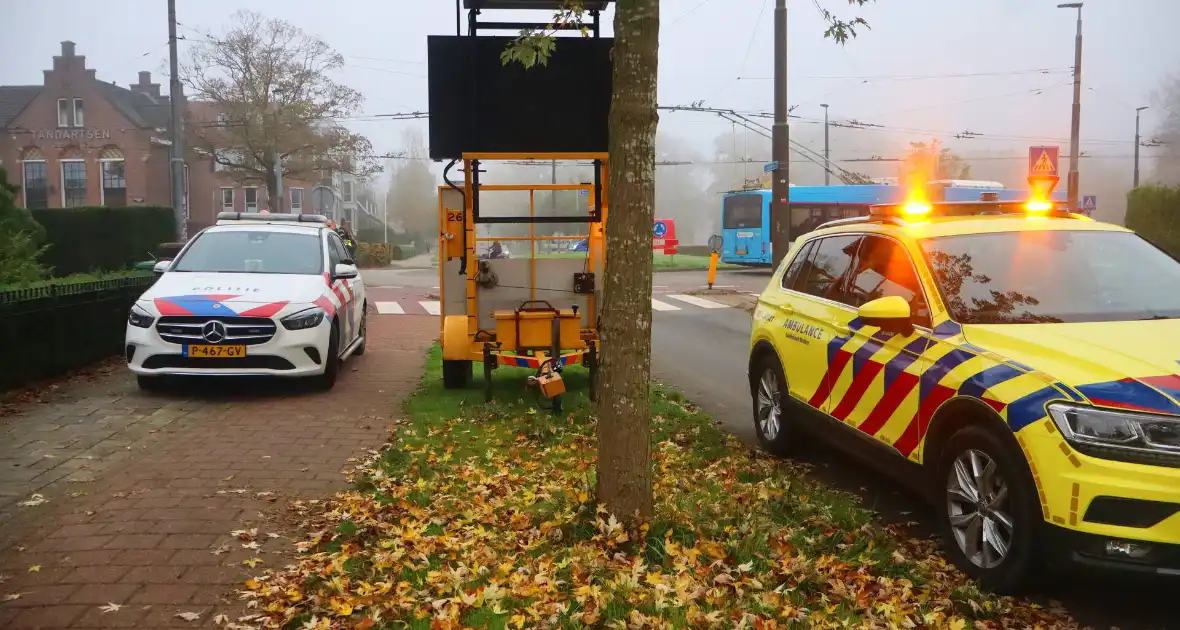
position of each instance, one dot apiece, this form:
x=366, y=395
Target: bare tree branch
x=263, y=93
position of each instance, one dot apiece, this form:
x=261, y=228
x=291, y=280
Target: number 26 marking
x=454, y=217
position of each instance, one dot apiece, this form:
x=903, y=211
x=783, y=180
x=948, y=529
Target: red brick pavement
x=142, y=490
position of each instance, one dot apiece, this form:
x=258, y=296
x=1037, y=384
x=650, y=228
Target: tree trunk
x=272, y=190
x=624, y=467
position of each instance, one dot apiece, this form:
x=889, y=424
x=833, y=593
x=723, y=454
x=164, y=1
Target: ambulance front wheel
x=456, y=374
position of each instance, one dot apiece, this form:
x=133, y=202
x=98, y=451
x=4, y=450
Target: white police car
x=253, y=295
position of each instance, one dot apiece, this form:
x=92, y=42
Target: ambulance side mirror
x=891, y=314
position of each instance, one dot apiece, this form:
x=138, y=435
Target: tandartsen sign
x=72, y=134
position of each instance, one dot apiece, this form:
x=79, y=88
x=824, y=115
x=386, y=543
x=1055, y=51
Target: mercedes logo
x=214, y=332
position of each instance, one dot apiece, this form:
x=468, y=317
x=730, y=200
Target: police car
x=253, y=295
x=1014, y=362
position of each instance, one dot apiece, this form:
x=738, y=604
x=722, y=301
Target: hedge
x=50, y=328
x=1154, y=213
x=372, y=254
x=83, y=240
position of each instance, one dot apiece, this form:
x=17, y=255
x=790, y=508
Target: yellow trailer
x=539, y=312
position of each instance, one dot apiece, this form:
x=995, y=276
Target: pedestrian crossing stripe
x=1044, y=164
x=434, y=307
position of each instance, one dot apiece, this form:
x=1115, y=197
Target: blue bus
x=745, y=214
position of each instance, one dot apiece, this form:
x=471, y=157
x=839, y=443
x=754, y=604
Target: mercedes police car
x=1016, y=363
x=253, y=295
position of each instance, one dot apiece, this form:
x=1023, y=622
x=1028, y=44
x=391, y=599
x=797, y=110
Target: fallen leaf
x=36, y=568
x=221, y=619
x=33, y=501
x=271, y=535
x=224, y=548
x=253, y=546
x=110, y=607
x=252, y=562
x=11, y=597
x=189, y=616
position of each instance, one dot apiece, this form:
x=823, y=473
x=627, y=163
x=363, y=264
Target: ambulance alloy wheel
x=988, y=512
x=776, y=433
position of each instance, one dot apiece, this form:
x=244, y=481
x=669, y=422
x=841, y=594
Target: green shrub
x=20, y=238
x=372, y=254
x=83, y=240
x=1154, y=212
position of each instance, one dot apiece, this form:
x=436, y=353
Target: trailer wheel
x=456, y=374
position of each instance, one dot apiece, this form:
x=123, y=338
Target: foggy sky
x=706, y=45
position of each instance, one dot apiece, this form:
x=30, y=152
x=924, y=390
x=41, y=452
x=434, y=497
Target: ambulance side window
x=824, y=272
x=884, y=269
x=791, y=275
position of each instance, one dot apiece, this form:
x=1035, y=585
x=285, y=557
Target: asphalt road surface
x=704, y=355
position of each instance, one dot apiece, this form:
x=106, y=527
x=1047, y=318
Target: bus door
x=743, y=235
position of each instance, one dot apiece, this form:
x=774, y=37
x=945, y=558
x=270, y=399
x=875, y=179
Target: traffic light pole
x=780, y=216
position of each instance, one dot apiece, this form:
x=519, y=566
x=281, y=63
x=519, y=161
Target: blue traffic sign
x=770, y=166
x=660, y=229
x=1089, y=203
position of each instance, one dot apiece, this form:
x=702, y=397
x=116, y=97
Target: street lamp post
x=1135, y=184
x=827, y=154
x=1076, y=121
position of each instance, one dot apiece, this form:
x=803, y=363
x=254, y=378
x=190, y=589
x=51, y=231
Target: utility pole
x=1076, y=122
x=827, y=152
x=553, y=193
x=1135, y=184
x=385, y=215
x=176, y=153
x=780, y=191
x=278, y=202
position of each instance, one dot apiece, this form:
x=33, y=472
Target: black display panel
x=478, y=104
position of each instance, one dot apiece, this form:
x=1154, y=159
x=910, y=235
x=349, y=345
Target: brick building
x=76, y=140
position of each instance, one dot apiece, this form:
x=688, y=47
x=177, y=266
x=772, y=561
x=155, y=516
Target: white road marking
x=663, y=306
x=696, y=301
x=383, y=286
x=432, y=306
x=725, y=286
x=389, y=308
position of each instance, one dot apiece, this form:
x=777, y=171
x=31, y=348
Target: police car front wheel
x=988, y=510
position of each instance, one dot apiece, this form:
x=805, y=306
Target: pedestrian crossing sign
x=1089, y=204
x=1042, y=161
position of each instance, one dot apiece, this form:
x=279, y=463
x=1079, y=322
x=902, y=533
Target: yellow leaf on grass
x=958, y=623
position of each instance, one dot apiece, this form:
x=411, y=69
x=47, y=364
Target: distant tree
x=20, y=238
x=413, y=188
x=272, y=100
x=1167, y=132
x=949, y=165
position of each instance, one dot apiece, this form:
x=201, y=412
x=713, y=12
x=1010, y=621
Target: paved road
x=704, y=354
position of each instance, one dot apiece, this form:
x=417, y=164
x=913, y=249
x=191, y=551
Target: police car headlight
x=303, y=320
x=140, y=318
x=1119, y=435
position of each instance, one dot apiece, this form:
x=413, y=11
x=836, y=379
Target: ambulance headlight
x=1120, y=435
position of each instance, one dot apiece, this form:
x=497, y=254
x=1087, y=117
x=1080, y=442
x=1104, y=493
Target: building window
x=114, y=183
x=63, y=112
x=297, y=200
x=346, y=191
x=251, y=199
x=36, y=185
x=222, y=118
x=78, y=118
x=73, y=183
x=227, y=199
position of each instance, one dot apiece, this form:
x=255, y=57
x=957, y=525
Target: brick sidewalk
x=143, y=491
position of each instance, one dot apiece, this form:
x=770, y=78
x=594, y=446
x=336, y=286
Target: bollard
x=713, y=268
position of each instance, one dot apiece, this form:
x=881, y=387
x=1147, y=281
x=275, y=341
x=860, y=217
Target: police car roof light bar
x=272, y=218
